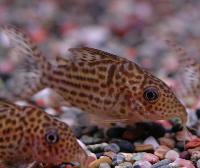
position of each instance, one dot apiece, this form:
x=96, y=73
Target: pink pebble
x=150, y=157
x=183, y=163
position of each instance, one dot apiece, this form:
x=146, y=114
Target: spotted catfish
x=28, y=134
x=102, y=84
x=188, y=75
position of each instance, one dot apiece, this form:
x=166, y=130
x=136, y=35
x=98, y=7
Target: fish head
x=151, y=99
x=55, y=144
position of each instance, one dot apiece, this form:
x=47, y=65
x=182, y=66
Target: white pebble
x=172, y=155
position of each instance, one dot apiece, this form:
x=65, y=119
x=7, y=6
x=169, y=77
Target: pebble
x=90, y=140
x=128, y=156
x=172, y=155
x=152, y=141
x=142, y=164
x=195, y=155
x=185, y=155
x=182, y=163
x=150, y=157
x=126, y=165
x=160, y=130
x=113, y=147
x=167, y=142
x=103, y=159
x=98, y=155
x=196, y=149
x=144, y=148
x=198, y=163
x=184, y=136
x=145, y=156
x=138, y=156
x=110, y=154
x=161, y=151
x=132, y=134
x=115, y=132
x=97, y=148
x=161, y=163
x=193, y=143
x=104, y=165
x=125, y=146
x=117, y=159
x=180, y=145
x=198, y=113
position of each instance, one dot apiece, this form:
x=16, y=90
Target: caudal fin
x=28, y=76
x=188, y=75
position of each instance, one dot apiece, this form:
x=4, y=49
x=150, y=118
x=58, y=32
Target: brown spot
x=81, y=63
x=111, y=72
x=102, y=93
x=101, y=76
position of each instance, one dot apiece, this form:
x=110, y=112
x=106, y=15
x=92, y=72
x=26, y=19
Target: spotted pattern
x=112, y=87
x=103, y=84
x=22, y=137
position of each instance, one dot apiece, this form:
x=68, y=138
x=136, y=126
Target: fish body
x=102, y=84
x=28, y=134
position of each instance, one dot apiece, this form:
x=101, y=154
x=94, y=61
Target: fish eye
x=51, y=137
x=151, y=94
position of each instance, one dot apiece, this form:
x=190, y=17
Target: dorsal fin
x=93, y=55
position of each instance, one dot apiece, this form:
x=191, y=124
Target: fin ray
x=26, y=80
x=94, y=55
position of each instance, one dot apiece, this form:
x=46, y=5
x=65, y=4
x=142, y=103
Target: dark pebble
x=137, y=166
x=99, y=134
x=198, y=113
x=180, y=146
x=160, y=130
x=176, y=126
x=98, y=155
x=149, y=129
x=125, y=146
x=115, y=132
x=90, y=130
x=185, y=155
x=133, y=133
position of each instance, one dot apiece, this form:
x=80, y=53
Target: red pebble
x=193, y=143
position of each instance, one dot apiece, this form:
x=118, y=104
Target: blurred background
x=131, y=28
x=135, y=29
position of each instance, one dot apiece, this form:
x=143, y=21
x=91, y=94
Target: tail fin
x=27, y=79
x=188, y=75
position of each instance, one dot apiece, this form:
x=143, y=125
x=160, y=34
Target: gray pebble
x=119, y=158
x=126, y=165
x=112, y=147
x=162, y=164
x=198, y=163
x=104, y=165
x=96, y=148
